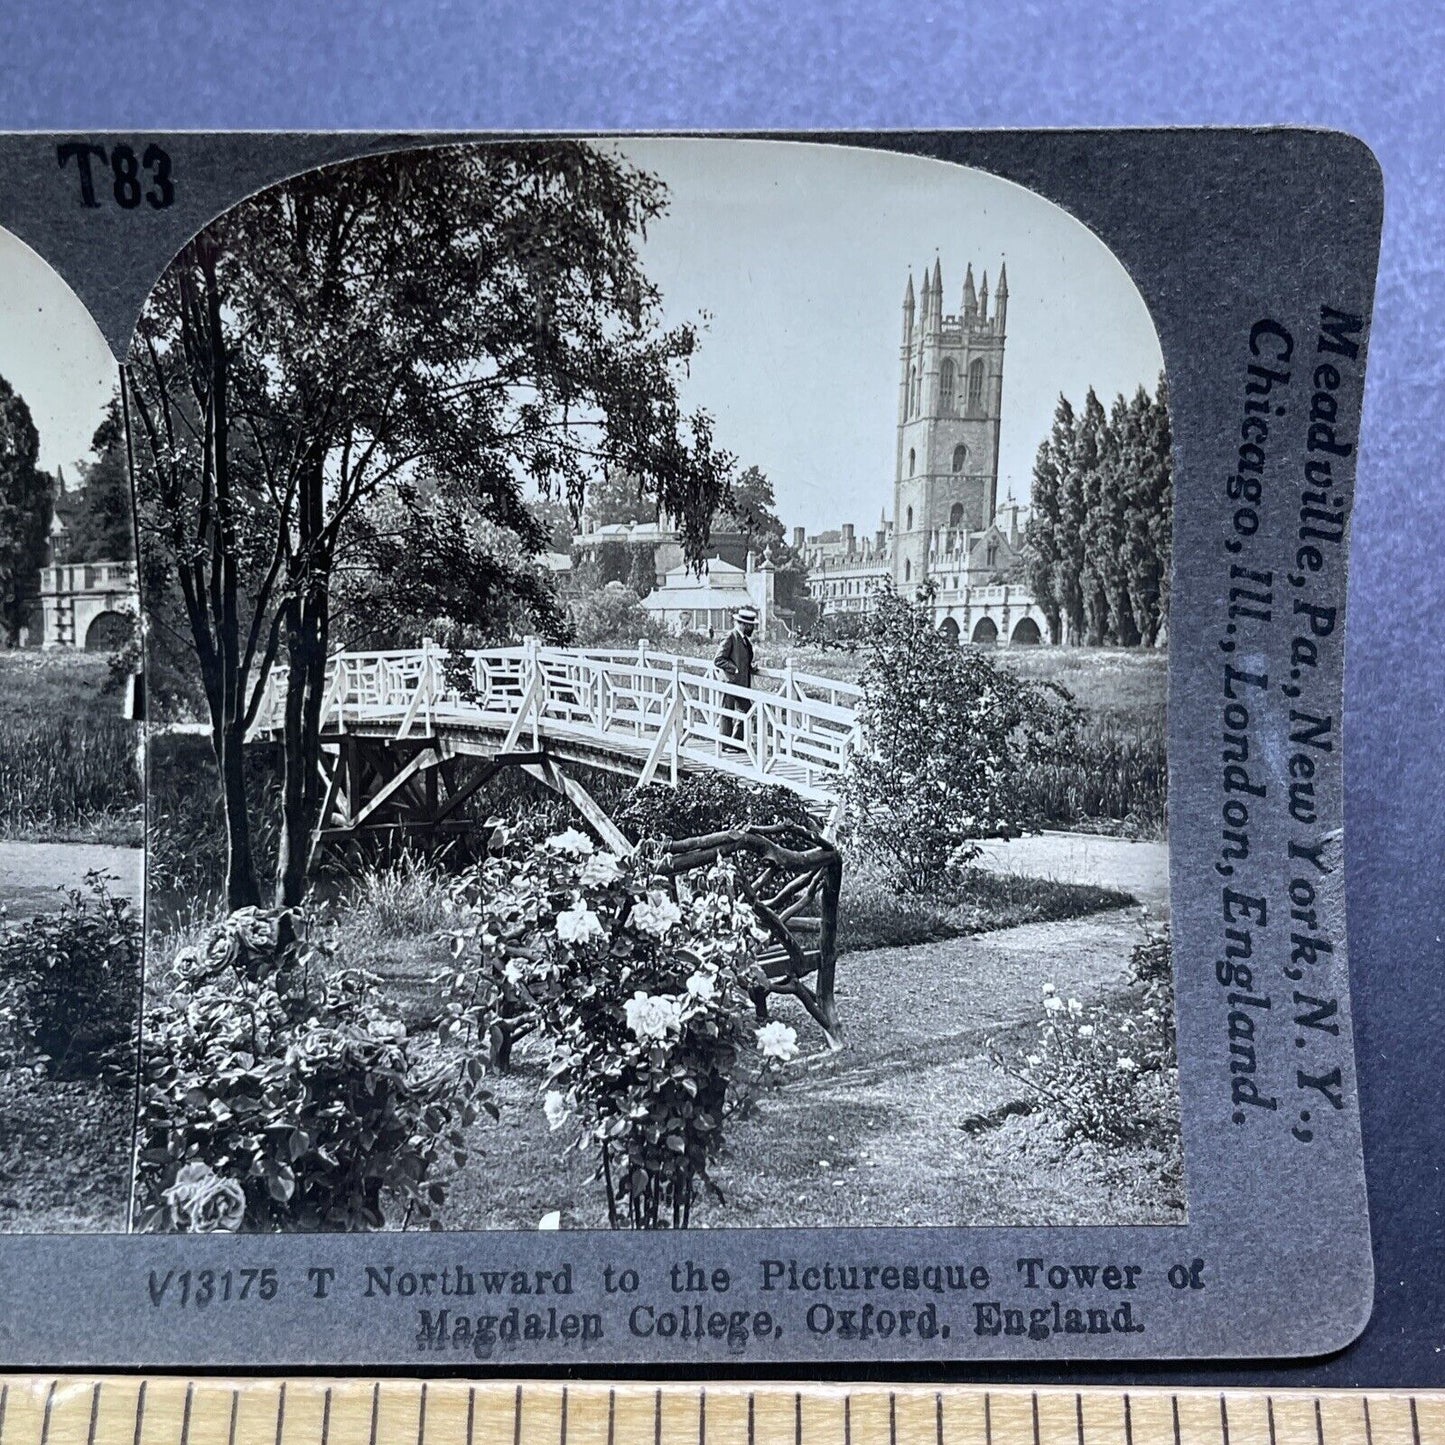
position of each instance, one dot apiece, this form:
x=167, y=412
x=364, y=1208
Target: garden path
x=891, y=1130
x=30, y=873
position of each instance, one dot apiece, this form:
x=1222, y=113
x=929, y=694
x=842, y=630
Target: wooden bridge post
x=533, y=674
x=676, y=703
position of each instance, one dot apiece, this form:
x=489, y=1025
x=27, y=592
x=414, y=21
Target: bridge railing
x=653, y=712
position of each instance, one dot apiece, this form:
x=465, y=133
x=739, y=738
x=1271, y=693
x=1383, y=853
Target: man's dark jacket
x=735, y=659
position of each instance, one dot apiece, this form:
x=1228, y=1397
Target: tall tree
x=429, y=568
x=1150, y=516
x=1097, y=551
x=751, y=508
x=617, y=495
x=1109, y=532
x=101, y=525
x=26, y=498
x=555, y=516
x=1047, y=529
x=468, y=319
x=1093, y=446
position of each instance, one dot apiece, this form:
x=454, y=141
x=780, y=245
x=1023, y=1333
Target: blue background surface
x=742, y=65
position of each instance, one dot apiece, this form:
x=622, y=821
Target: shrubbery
x=1106, y=1075
x=705, y=802
x=611, y=616
x=278, y=1094
x=70, y=982
x=950, y=739
x=639, y=984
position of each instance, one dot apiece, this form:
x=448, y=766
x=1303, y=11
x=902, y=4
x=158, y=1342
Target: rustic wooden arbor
x=792, y=876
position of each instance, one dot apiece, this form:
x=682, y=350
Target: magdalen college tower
x=950, y=396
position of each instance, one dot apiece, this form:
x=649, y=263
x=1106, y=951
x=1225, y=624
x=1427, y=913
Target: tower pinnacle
x=983, y=299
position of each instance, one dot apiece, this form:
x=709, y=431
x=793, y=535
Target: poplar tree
x=1045, y=537
x=1100, y=536
x=1092, y=455
x=1150, y=529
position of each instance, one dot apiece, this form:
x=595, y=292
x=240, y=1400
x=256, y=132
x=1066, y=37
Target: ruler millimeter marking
x=126, y=1410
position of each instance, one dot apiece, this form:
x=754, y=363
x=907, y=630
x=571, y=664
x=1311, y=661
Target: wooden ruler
x=126, y=1410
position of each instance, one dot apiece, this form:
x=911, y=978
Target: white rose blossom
x=600, y=870
x=652, y=1016
x=572, y=841
x=1075, y=1007
x=554, y=1106
x=1053, y=1003
x=1126, y=1065
x=1086, y=1031
x=578, y=924
x=778, y=1041
x=702, y=986
x=657, y=916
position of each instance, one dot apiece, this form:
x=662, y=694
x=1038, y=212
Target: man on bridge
x=734, y=661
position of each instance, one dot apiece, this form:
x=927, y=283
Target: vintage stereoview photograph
x=71, y=825
x=655, y=671
x=656, y=677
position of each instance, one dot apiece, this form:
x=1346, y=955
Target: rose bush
x=639, y=983
x=70, y=985
x=280, y=1093
x=1108, y=1072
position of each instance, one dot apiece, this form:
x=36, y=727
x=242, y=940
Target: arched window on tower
x=945, y=389
x=912, y=460
x=913, y=392
x=908, y=569
x=960, y=457
x=955, y=515
x=975, y=388
x=909, y=527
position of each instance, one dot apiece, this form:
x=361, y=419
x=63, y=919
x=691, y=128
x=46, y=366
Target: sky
x=800, y=253
x=796, y=256
x=53, y=354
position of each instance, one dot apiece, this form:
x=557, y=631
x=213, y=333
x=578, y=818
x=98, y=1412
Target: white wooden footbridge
x=410, y=735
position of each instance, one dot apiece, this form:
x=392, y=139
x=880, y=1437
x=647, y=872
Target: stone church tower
x=950, y=395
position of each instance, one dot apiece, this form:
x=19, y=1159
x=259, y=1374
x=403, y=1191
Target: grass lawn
x=64, y=1154
x=872, y=915
x=68, y=767
x=35, y=683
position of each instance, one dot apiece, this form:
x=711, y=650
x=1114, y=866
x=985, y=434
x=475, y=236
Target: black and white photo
x=630, y=717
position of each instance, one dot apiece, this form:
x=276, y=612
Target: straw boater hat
x=746, y=614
